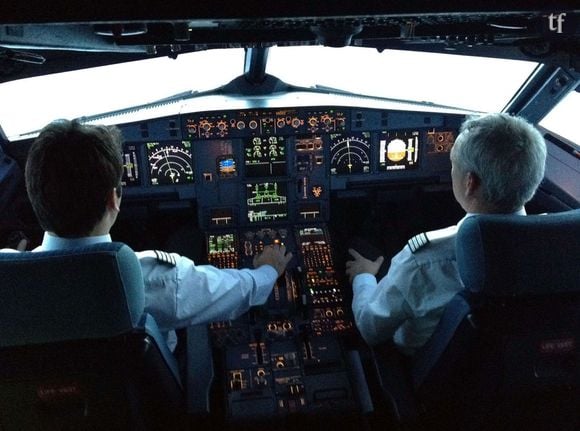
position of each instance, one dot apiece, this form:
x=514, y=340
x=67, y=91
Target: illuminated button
x=253, y=124
x=240, y=125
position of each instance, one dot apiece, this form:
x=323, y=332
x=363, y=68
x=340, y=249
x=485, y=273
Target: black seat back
x=506, y=354
x=77, y=350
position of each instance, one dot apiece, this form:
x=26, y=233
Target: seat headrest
x=510, y=255
x=81, y=293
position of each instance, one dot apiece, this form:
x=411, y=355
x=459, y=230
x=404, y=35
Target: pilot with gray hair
x=497, y=163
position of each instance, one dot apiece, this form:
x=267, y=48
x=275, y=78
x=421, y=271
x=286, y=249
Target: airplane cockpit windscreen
x=558, y=120
x=421, y=77
x=479, y=84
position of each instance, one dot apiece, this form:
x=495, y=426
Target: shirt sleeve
x=187, y=294
x=380, y=308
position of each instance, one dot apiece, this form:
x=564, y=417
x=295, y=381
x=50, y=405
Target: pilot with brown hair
x=73, y=179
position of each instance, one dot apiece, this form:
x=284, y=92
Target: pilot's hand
x=362, y=265
x=274, y=255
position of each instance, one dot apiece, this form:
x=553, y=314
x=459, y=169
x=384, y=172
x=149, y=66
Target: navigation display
x=265, y=156
x=266, y=201
x=170, y=163
x=130, y=166
x=398, y=150
x=350, y=154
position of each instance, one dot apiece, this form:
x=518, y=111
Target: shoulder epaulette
x=417, y=242
x=165, y=257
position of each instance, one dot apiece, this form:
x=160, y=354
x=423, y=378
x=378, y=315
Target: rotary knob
x=205, y=125
x=222, y=125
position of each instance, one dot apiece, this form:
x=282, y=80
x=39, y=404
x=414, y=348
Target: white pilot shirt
x=180, y=293
x=407, y=304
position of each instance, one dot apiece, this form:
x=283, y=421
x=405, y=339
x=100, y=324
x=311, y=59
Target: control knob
x=222, y=125
x=205, y=125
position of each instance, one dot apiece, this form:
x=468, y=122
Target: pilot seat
x=77, y=350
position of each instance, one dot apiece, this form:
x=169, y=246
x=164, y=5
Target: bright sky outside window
x=30, y=104
x=480, y=84
x=563, y=119
x=476, y=83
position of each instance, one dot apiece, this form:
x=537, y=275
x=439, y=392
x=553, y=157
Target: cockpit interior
x=217, y=173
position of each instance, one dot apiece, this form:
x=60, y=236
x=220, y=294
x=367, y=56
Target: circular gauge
x=170, y=163
x=350, y=154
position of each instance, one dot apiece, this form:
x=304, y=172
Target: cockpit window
x=29, y=104
x=474, y=83
x=562, y=120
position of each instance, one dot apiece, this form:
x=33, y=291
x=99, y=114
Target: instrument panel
x=247, y=167
x=266, y=176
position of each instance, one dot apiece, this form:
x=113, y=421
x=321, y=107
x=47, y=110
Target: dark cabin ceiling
x=55, y=36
